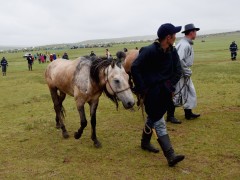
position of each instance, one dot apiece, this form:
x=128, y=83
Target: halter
x=117, y=92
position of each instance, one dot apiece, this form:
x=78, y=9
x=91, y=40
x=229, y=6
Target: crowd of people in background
x=43, y=58
x=49, y=57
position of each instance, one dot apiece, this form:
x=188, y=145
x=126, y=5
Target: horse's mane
x=99, y=64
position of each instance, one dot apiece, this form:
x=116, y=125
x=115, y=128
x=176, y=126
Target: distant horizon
x=200, y=33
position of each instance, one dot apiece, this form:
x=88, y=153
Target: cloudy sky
x=42, y=22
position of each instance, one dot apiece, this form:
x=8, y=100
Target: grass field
x=32, y=148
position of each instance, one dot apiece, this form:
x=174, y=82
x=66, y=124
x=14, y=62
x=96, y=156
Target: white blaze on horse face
x=118, y=85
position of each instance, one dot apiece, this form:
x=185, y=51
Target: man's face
x=193, y=34
x=171, y=39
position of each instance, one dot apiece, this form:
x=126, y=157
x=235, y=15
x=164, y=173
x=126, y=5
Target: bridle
x=115, y=92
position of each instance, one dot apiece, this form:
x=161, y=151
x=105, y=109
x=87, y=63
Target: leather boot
x=168, y=151
x=173, y=120
x=189, y=115
x=170, y=114
x=145, y=142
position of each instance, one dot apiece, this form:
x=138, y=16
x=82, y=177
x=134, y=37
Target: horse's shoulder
x=82, y=74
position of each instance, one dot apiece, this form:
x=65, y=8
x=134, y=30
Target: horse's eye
x=116, y=81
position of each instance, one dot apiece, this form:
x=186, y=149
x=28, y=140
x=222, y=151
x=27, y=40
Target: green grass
x=32, y=148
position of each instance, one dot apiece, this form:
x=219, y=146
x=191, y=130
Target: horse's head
x=117, y=84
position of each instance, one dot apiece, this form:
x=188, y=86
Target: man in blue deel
x=155, y=72
x=4, y=65
x=233, y=49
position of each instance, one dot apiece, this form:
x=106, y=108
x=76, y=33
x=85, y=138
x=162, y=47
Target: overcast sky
x=42, y=22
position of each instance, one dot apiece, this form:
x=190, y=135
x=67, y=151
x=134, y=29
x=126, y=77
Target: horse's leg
x=83, y=120
x=57, y=101
x=61, y=98
x=93, y=109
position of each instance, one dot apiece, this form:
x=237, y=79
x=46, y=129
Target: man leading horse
x=155, y=72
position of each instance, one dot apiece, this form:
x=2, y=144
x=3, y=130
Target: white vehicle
x=26, y=55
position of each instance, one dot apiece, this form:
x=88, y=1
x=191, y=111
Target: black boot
x=168, y=151
x=173, y=120
x=189, y=115
x=170, y=114
x=145, y=142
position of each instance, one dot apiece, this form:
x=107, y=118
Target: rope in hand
x=141, y=105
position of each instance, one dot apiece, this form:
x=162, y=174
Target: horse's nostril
x=130, y=104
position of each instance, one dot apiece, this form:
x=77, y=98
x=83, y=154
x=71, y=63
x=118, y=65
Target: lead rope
x=141, y=105
x=185, y=84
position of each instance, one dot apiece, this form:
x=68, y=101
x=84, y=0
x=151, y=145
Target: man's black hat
x=190, y=27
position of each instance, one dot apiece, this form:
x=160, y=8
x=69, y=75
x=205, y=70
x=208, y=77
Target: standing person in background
x=39, y=58
x=108, y=54
x=51, y=57
x=4, y=65
x=92, y=54
x=54, y=56
x=47, y=58
x=155, y=72
x=233, y=49
x=185, y=90
x=65, y=56
x=30, y=62
x=35, y=56
x=42, y=58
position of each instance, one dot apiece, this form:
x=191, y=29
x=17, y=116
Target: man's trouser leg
x=146, y=138
x=164, y=142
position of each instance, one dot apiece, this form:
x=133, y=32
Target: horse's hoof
x=97, y=144
x=77, y=135
x=65, y=135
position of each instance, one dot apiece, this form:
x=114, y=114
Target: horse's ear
x=113, y=64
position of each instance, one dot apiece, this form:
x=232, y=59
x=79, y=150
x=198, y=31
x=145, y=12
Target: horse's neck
x=102, y=78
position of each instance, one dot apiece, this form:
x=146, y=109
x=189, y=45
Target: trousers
x=159, y=126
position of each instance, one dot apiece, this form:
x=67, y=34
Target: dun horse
x=127, y=59
x=86, y=79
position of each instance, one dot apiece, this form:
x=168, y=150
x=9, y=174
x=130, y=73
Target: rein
x=115, y=92
x=179, y=92
x=184, y=84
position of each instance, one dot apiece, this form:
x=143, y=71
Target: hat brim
x=197, y=29
x=178, y=29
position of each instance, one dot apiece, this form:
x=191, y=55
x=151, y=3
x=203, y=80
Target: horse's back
x=131, y=55
x=60, y=74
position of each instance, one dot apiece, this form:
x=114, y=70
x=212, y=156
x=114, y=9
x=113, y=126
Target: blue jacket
x=233, y=47
x=30, y=60
x=155, y=73
x=154, y=66
x=4, y=62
